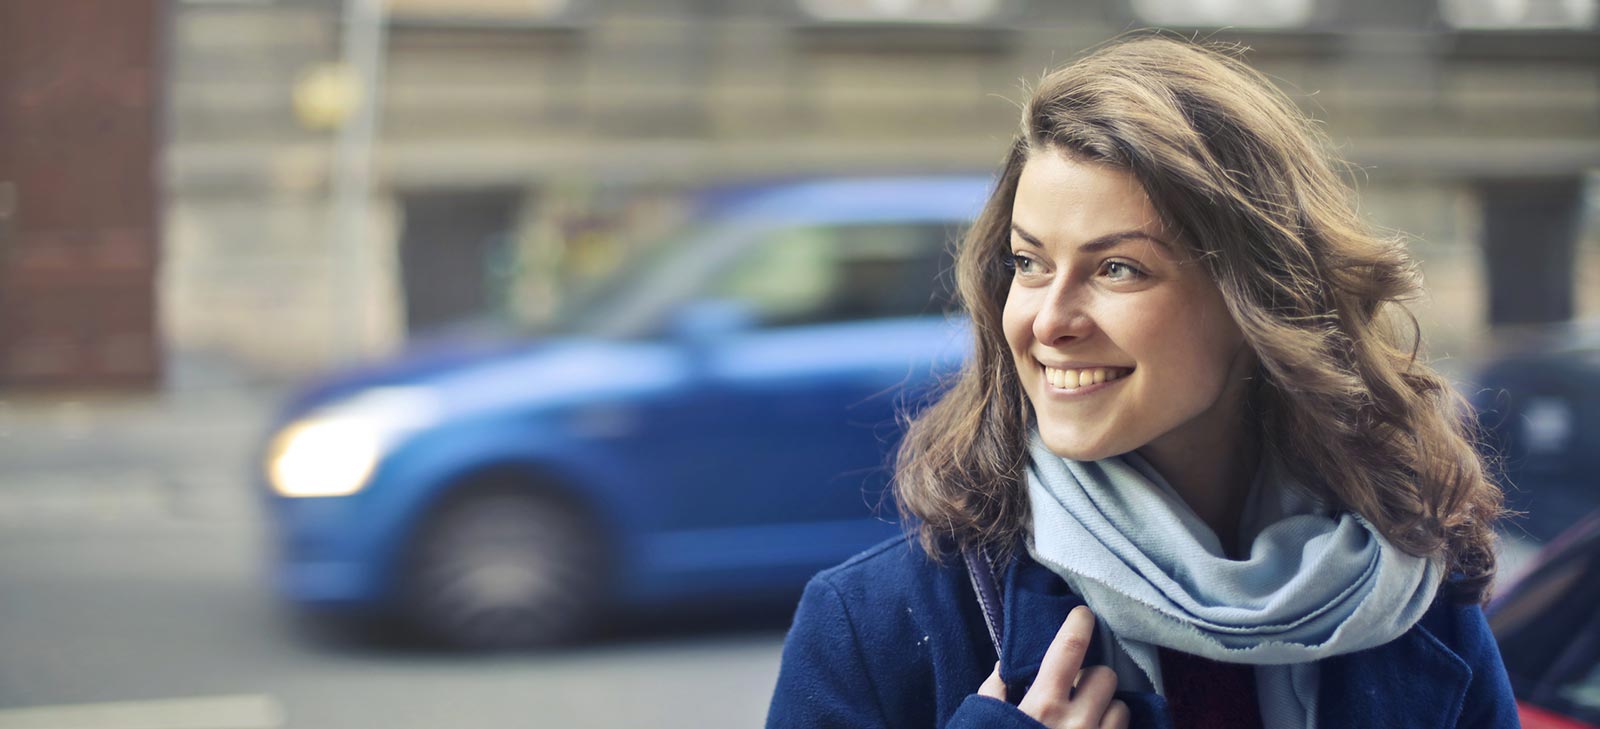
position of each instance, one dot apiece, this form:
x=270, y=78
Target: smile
x=1073, y=380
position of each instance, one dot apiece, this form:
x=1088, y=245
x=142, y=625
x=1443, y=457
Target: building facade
x=522, y=146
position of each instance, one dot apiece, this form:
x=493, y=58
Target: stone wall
x=660, y=96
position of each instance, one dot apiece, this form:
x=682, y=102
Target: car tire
x=504, y=569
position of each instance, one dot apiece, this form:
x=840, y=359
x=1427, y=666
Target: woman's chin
x=1077, y=448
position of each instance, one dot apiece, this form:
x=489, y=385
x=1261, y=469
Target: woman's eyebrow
x=1109, y=240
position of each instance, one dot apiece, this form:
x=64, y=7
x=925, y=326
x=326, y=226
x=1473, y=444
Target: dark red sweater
x=1205, y=694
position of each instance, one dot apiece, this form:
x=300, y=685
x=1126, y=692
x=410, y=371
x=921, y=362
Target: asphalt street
x=133, y=594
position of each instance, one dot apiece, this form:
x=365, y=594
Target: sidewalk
x=179, y=454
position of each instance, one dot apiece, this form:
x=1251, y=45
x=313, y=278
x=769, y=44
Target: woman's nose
x=1062, y=317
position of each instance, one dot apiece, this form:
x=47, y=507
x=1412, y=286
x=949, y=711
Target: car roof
x=846, y=200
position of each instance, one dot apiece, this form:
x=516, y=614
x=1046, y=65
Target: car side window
x=1549, y=632
x=819, y=275
x=1580, y=696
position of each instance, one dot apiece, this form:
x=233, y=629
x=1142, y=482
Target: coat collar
x=1414, y=680
x=1036, y=602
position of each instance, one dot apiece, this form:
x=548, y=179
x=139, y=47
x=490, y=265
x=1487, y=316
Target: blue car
x=717, y=422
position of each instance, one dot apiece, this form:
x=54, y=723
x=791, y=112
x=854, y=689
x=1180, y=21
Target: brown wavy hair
x=1251, y=186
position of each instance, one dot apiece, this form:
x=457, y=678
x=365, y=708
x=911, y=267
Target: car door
x=779, y=456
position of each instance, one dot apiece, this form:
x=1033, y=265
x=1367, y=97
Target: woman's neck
x=1211, y=463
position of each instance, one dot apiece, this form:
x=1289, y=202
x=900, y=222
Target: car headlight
x=334, y=450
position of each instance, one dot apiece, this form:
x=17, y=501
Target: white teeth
x=1073, y=379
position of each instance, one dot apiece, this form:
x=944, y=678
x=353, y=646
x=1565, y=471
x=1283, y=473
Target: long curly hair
x=1341, y=397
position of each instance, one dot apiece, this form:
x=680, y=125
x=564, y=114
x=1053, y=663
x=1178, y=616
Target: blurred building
x=80, y=102
x=525, y=144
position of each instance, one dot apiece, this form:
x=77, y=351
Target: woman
x=1211, y=480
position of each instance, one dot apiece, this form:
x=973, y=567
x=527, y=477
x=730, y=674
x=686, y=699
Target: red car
x=1548, y=628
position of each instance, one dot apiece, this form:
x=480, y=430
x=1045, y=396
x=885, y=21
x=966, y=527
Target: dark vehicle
x=717, y=423
x=1539, y=407
x=1548, y=628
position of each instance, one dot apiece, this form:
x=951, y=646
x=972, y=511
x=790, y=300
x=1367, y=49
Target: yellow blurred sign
x=327, y=95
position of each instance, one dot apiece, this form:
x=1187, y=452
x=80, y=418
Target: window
x=901, y=11
x=1580, y=697
x=1520, y=14
x=1232, y=13
x=833, y=274
x=1549, y=632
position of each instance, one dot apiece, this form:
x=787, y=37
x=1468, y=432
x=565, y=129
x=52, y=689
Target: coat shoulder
x=896, y=588
x=1462, y=628
x=877, y=637
x=894, y=569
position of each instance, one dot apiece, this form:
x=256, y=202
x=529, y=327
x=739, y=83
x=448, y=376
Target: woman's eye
x=1120, y=271
x=1021, y=264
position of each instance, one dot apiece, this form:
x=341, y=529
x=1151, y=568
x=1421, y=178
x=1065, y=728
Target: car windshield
x=633, y=300
x=778, y=273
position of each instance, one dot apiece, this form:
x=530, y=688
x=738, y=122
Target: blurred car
x=1548, y=629
x=716, y=422
x=1539, y=408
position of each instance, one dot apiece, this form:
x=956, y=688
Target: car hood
x=485, y=376
x=422, y=361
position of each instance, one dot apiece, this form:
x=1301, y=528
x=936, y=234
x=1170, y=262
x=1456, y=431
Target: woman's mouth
x=1078, y=379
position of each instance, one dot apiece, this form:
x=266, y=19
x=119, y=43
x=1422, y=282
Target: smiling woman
x=1194, y=473
x=1123, y=342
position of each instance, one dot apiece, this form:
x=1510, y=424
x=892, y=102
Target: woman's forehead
x=1062, y=204
x=1055, y=193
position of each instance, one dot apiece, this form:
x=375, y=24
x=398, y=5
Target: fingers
x=1062, y=661
x=1067, y=695
x=1091, y=698
x=993, y=687
x=1116, y=716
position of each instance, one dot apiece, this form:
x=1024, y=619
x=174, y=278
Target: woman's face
x=1121, y=339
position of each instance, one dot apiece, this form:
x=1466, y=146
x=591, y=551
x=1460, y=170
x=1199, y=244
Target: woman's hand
x=1066, y=695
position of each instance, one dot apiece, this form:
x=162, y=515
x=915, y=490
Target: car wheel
x=503, y=570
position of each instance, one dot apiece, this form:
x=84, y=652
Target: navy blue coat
x=893, y=638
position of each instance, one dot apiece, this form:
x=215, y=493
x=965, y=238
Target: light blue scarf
x=1155, y=575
